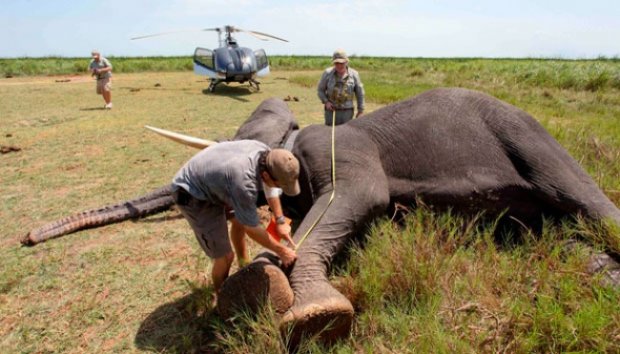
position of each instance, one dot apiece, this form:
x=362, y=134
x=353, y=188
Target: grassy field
x=438, y=284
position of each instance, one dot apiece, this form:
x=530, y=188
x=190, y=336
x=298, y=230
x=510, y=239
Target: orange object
x=271, y=228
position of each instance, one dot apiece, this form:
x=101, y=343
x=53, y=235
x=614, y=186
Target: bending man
x=223, y=181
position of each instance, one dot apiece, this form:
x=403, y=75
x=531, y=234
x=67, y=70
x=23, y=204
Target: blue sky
x=431, y=28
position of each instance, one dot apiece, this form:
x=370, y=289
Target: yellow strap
x=331, y=198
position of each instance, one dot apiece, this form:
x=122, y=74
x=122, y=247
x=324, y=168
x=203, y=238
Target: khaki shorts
x=104, y=85
x=208, y=222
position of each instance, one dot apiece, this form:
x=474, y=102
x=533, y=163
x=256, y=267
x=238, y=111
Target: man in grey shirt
x=225, y=179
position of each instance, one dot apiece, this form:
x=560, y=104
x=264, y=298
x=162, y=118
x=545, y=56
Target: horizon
x=352, y=56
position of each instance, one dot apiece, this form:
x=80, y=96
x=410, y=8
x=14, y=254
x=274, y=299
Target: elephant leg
x=319, y=309
x=607, y=266
x=555, y=175
x=598, y=262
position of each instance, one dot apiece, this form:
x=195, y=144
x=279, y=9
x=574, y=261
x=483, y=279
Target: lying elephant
x=450, y=148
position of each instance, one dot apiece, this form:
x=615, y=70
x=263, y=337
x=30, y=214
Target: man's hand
x=329, y=106
x=287, y=255
x=284, y=231
x=261, y=236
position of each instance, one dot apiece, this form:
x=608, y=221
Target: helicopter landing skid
x=212, y=85
x=214, y=82
x=255, y=84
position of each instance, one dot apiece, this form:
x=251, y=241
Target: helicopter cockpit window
x=261, y=59
x=204, y=57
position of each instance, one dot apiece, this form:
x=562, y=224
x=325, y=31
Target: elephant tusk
x=183, y=139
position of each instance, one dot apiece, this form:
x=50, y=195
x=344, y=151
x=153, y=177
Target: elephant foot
x=328, y=316
x=607, y=266
x=259, y=283
x=598, y=262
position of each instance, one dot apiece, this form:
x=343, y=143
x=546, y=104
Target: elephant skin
x=451, y=148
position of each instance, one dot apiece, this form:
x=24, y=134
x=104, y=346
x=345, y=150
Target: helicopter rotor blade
x=260, y=35
x=216, y=29
x=164, y=33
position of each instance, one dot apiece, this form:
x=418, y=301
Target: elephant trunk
x=152, y=203
x=319, y=309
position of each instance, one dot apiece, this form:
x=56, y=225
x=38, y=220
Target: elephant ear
x=271, y=123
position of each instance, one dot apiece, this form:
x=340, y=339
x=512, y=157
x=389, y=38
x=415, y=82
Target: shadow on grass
x=234, y=92
x=93, y=109
x=183, y=326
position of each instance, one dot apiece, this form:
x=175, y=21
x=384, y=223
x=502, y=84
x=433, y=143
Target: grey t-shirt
x=102, y=63
x=226, y=173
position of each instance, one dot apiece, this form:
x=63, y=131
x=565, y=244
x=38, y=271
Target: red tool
x=271, y=228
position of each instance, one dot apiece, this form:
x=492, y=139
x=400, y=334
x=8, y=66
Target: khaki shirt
x=339, y=91
x=102, y=63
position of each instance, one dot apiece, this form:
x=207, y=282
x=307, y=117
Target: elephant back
x=441, y=132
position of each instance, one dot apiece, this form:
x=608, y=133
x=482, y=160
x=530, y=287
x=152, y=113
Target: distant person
x=224, y=181
x=101, y=68
x=336, y=89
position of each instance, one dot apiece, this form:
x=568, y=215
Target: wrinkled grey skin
x=450, y=148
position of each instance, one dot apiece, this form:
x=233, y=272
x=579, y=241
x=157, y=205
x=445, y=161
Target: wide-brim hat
x=283, y=167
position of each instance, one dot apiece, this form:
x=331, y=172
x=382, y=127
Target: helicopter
x=229, y=62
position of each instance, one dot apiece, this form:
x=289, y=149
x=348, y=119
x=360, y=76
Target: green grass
x=438, y=283
x=590, y=75
x=71, y=66
x=444, y=281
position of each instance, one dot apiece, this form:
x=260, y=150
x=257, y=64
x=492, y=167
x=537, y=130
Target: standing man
x=223, y=181
x=101, y=68
x=336, y=89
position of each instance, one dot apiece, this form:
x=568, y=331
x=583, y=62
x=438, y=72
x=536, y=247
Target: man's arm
x=322, y=87
x=108, y=65
x=359, y=94
x=260, y=235
x=92, y=69
x=283, y=229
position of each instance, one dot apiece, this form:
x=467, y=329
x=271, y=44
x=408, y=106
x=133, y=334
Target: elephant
x=450, y=148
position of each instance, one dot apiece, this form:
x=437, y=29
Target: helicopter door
x=203, y=62
x=262, y=63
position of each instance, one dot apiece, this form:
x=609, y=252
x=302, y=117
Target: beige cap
x=283, y=166
x=340, y=56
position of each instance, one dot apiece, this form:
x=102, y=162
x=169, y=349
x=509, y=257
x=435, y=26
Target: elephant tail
x=149, y=204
